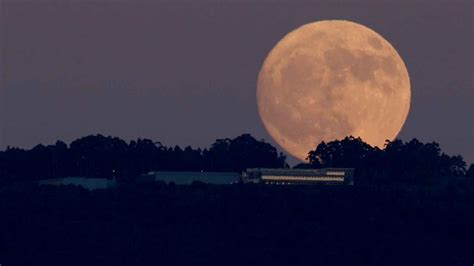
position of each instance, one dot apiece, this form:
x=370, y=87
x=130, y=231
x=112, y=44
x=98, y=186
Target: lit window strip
x=335, y=173
x=303, y=178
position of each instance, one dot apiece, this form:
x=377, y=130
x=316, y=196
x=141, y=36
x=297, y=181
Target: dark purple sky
x=184, y=72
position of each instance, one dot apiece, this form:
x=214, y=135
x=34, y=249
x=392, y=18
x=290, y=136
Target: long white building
x=329, y=176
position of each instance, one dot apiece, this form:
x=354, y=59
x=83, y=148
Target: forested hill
x=411, y=162
x=108, y=157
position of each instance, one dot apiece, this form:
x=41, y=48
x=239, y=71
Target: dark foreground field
x=237, y=225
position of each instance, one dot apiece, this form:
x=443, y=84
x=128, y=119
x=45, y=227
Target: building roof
x=186, y=178
x=85, y=182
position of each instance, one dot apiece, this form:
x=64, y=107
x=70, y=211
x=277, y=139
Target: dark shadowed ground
x=237, y=225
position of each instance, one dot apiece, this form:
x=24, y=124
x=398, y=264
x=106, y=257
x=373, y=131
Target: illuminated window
x=335, y=173
x=302, y=178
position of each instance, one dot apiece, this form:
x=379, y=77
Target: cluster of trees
x=109, y=157
x=399, y=162
x=100, y=156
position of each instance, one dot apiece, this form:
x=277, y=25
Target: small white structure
x=85, y=182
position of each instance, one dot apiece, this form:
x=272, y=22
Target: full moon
x=331, y=79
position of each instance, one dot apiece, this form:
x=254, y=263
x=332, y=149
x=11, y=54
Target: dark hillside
x=237, y=225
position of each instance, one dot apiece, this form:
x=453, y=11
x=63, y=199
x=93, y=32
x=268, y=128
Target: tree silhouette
x=398, y=162
x=470, y=171
x=241, y=153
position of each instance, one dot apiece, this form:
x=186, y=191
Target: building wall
x=299, y=176
x=187, y=178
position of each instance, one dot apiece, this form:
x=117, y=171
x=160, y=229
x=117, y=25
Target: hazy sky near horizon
x=184, y=72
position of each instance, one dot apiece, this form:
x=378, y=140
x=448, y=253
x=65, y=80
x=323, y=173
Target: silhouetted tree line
x=109, y=157
x=398, y=162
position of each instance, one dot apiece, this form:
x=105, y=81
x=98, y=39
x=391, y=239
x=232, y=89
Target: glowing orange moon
x=330, y=79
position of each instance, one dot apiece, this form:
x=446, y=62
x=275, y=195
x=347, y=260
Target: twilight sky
x=184, y=72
